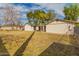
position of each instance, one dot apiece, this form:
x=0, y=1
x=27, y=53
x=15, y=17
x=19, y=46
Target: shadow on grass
x=57, y=49
x=20, y=51
x=75, y=37
x=3, y=50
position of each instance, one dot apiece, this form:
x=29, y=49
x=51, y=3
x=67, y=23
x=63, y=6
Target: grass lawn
x=39, y=42
x=13, y=39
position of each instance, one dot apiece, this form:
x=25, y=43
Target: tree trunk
x=44, y=28
x=34, y=28
x=39, y=28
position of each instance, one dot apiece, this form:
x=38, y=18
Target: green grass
x=38, y=43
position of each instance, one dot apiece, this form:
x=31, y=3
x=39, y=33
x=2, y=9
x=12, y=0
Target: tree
x=44, y=18
x=50, y=17
x=31, y=19
x=71, y=12
x=40, y=18
x=11, y=15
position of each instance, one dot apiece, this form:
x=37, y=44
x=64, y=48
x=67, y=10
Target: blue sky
x=23, y=8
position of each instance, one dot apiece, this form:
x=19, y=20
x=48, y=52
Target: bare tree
x=11, y=15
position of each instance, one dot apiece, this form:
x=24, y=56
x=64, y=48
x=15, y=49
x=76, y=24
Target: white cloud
x=58, y=7
x=18, y=8
x=22, y=9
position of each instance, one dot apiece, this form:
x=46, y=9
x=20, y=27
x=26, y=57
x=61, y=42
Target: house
x=58, y=27
x=5, y=27
x=28, y=28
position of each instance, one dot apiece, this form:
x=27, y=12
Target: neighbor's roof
x=12, y=25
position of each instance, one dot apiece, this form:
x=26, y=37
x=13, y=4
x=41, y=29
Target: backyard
x=29, y=43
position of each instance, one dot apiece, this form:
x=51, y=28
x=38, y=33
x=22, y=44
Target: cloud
x=23, y=8
x=58, y=7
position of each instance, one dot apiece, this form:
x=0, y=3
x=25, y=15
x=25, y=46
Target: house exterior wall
x=6, y=28
x=57, y=27
x=28, y=28
x=60, y=28
x=11, y=28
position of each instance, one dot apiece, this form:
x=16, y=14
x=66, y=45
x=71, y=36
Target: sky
x=23, y=8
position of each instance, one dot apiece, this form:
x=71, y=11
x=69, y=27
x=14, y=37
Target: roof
x=70, y=21
x=59, y=22
x=11, y=26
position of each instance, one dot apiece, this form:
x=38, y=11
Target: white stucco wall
x=6, y=28
x=60, y=28
x=57, y=27
x=28, y=28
